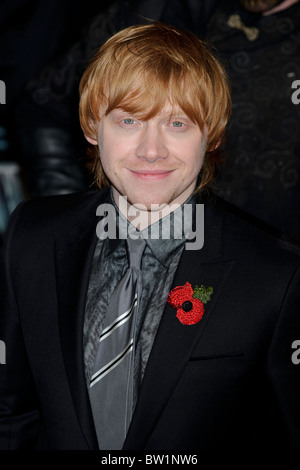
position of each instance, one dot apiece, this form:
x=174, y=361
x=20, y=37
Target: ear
x=91, y=140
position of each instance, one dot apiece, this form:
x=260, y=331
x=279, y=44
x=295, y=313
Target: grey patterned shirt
x=159, y=264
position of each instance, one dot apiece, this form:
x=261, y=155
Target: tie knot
x=135, y=252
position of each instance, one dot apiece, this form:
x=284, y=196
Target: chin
x=152, y=201
x=151, y=204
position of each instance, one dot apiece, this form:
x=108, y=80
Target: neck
x=138, y=216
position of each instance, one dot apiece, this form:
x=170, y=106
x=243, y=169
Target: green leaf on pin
x=203, y=293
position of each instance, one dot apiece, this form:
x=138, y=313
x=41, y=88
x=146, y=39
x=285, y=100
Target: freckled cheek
x=110, y=158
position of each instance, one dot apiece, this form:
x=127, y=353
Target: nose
x=152, y=145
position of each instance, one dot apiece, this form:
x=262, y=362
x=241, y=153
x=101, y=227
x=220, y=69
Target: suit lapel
x=74, y=253
x=175, y=342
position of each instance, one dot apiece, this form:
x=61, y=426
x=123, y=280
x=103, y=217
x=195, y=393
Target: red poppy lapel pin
x=189, y=302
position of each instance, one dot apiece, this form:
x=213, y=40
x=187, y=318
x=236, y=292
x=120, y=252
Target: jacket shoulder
x=245, y=234
x=53, y=210
x=37, y=220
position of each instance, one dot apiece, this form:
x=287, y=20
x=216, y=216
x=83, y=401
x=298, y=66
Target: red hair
x=142, y=67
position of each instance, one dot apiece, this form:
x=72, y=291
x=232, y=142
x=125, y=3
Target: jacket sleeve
x=19, y=416
x=283, y=369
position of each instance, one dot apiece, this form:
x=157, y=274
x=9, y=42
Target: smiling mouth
x=151, y=174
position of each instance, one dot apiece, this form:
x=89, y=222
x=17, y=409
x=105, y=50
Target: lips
x=151, y=174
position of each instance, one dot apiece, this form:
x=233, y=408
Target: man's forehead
x=167, y=109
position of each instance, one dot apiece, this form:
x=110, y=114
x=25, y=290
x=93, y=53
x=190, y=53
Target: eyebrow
x=173, y=114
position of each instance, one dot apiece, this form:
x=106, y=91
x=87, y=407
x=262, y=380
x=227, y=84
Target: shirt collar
x=162, y=237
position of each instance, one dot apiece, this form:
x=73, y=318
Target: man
x=51, y=144
x=207, y=356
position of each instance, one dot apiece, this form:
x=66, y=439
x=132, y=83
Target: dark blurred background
x=33, y=35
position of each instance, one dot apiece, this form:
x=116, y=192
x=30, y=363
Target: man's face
x=151, y=162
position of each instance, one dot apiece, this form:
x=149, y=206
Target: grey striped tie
x=111, y=384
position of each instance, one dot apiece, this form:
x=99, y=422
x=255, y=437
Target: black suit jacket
x=226, y=382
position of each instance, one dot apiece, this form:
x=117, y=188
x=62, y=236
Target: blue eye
x=177, y=124
x=128, y=121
